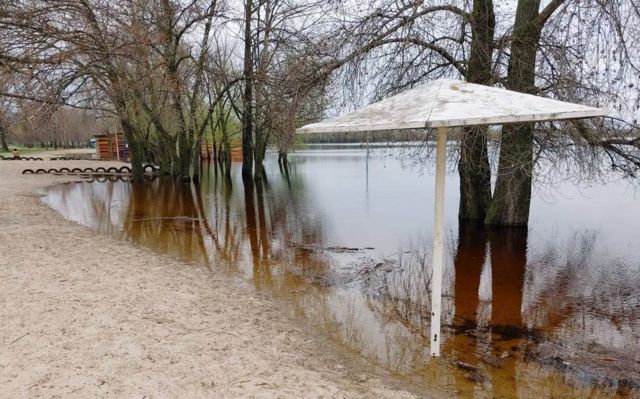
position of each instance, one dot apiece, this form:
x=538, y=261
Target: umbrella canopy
x=447, y=102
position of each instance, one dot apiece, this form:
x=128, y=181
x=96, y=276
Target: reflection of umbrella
x=442, y=104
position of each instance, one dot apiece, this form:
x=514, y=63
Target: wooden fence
x=206, y=151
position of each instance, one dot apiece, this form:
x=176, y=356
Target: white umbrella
x=442, y=104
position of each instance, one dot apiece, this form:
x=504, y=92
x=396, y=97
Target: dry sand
x=85, y=315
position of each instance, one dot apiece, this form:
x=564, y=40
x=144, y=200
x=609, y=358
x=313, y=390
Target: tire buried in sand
x=125, y=169
x=40, y=171
x=76, y=170
x=89, y=170
x=28, y=172
x=100, y=169
x=52, y=171
x=64, y=170
x=112, y=169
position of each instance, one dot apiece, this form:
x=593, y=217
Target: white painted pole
x=438, y=242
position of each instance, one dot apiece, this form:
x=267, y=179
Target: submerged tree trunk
x=247, y=99
x=196, y=155
x=227, y=158
x=259, y=153
x=473, y=167
x=283, y=157
x=512, y=196
x=184, y=156
x=225, y=144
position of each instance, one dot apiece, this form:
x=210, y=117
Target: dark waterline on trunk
x=551, y=310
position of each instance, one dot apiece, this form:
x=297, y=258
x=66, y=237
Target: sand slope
x=84, y=315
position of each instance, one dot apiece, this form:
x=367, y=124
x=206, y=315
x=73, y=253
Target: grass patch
x=23, y=150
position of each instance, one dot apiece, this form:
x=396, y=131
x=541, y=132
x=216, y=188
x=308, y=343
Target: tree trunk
x=184, y=157
x=227, y=158
x=473, y=166
x=3, y=139
x=259, y=153
x=512, y=196
x=247, y=99
x=283, y=158
x=197, y=161
x=136, y=150
x=225, y=146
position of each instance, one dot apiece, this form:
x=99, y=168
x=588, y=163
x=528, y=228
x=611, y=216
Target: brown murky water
x=549, y=311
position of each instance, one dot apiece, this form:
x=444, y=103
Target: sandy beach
x=85, y=315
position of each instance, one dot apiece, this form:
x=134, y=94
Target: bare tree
x=543, y=51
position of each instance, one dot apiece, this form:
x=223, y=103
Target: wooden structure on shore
x=111, y=147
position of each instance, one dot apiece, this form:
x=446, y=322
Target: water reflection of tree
x=268, y=231
x=164, y=215
x=99, y=205
x=587, y=302
x=262, y=223
x=468, y=264
x=494, y=333
x=256, y=225
x=213, y=223
x=214, y=199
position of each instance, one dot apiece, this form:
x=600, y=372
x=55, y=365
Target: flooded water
x=549, y=311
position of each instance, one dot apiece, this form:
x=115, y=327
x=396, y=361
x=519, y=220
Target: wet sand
x=85, y=315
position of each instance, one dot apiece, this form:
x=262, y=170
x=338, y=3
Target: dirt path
x=85, y=315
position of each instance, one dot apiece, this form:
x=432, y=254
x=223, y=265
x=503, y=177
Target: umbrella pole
x=438, y=242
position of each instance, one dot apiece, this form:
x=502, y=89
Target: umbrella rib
x=435, y=99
